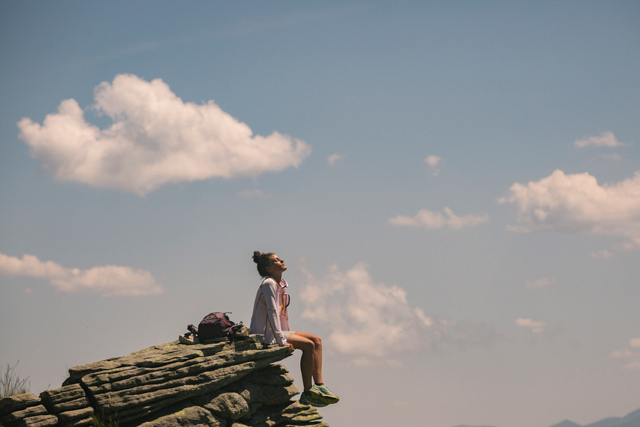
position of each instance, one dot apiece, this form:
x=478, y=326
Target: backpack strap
x=193, y=330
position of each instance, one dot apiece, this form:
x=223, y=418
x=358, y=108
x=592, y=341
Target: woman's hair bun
x=263, y=261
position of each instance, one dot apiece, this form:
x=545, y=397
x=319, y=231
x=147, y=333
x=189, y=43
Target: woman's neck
x=277, y=278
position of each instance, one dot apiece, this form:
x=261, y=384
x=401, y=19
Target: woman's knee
x=307, y=342
x=317, y=342
x=306, y=345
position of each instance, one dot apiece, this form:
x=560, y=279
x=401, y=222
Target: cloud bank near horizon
x=108, y=281
x=576, y=203
x=435, y=220
x=632, y=357
x=155, y=139
x=369, y=319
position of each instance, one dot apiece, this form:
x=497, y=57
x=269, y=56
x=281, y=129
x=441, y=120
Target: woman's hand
x=291, y=349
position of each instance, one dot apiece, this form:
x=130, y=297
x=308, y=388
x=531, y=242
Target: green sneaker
x=307, y=398
x=326, y=396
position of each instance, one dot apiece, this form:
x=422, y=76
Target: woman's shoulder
x=269, y=281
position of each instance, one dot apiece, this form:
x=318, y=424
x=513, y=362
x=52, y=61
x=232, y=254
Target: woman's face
x=276, y=266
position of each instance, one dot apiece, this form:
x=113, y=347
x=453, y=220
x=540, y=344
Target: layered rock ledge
x=220, y=384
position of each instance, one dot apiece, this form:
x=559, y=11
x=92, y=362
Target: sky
x=454, y=187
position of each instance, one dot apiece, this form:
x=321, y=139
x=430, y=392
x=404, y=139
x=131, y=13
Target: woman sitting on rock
x=270, y=319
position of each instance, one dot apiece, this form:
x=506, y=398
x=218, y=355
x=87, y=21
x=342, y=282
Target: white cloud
x=576, y=203
x=365, y=361
x=606, y=139
x=332, y=159
x=535, y=326
x=634, y=363
x=632, y=245
x=621, y=354
x=602, y=254
x=362, y=361
x=110, y=280
x=613, y=156
x=248, y=194
x=544, y=282
x=433, y=162
x=369, y=319
x=435, y=220
x=155, y=139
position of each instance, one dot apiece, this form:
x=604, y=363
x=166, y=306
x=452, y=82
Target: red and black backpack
x=216, y=325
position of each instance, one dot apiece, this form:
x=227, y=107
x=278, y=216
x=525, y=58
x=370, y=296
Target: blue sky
x=452, y=186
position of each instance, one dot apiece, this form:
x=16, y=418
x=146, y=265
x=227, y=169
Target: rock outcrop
x=219, y=384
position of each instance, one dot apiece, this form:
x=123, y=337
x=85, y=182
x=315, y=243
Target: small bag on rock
x=217, y=325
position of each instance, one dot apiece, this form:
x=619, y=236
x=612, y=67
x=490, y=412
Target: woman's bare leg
x=307, y=361
x=313, y=344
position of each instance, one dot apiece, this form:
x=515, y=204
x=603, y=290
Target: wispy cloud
x=621, y=354
x=435, y=220
x=576, y=203
x=373, y=320
x=633, y=366
x=368, y=361
x=108, y=281
x=155, y=139
x=632, y=358
x=241, y=28
x=543, y=282
x=332, y=159
x=606, y=139
x=602, y=254
x=612, y=156
x=433, y=161
x=534, y=326
x=632, y=245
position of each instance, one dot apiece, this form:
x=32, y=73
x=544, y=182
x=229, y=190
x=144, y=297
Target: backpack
x=217, y=325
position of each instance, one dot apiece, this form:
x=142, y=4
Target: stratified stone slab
x=17, y=403
x=64, y=399
x=39, y=421
x=274, y=375
x=62, y=394
x=291, y=413
x=226, y=405
x=28, y=412
x=80, y=414
x=127, y=408
x=185, y=414
x=226, y=384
